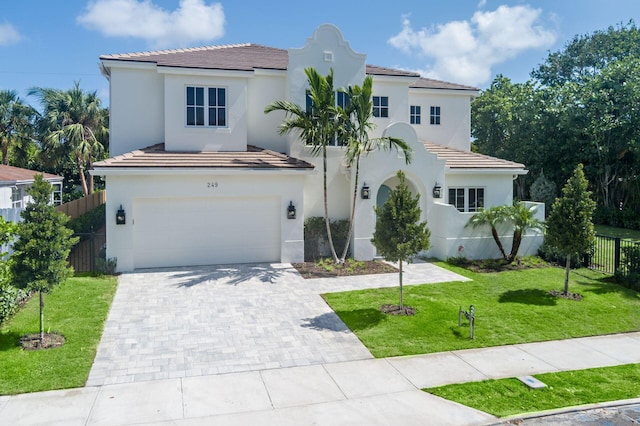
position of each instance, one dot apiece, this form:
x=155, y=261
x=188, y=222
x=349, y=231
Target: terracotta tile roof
x=429, y=83
x=248, y=57
x=459, y=159
x=156, y=157
x=10, y=174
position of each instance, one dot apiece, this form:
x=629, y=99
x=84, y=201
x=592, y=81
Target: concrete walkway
x=308, y=369
x=371, y=391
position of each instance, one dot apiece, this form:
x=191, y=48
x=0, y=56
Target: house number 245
x=212, y=185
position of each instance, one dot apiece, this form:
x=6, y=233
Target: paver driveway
x=221, y=319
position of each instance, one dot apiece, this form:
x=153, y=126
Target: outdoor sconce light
x=365, y=193
x=291, y=211
x=437, y=190
x=121, y=218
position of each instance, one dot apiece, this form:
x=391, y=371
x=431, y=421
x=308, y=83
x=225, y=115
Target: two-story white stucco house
x=203, y=176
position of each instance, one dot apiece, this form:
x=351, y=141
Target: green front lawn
x=511, y=307
x=77, y=309
x=508, y=397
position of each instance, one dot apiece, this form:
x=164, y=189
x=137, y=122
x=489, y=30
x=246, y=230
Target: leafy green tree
x=16, y=124
x=39, y=261
x=491, y=217
x=356, y=125
x=544, y=191
x=399, y=234
x=569, y=226
x=73, y=123
x=317, y=126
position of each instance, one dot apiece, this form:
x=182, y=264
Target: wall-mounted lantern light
x=121, y=218
x=291, y=211
x=365, y=192
x=437, y=190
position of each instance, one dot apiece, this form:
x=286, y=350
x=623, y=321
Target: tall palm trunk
x=517, y=240
x=353, y=212
x=83, y=178
x=496, y=238
x=326, y=205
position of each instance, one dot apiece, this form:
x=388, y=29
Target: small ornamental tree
x=39, y=261
x=569, y=226
x=399, y=234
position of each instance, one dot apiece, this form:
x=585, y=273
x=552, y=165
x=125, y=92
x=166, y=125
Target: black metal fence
x=610, y=254
x=84, y=255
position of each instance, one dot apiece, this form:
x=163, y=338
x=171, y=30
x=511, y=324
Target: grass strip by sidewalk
x=508, y=397
x=77, y=309
x=511, y=307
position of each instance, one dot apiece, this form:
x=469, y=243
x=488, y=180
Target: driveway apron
x=220, y=319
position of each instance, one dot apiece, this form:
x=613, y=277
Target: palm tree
x=356, y=126
x=74, y=122
x=523, y=219
x=317, y=126
x=16, y=123
x=491, y=217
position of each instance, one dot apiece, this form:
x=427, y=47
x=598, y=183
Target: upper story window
x=206, y=106
x=414, y=114
x=16, y=197
x=434, y=115
x=381, y=106
x=56, y=196
x=342, y=100
x=467, y=199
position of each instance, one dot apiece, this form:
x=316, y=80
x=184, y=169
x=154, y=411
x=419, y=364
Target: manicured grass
x=508, y=397
x=77, y=309
x=610, y=231
x=511, y=307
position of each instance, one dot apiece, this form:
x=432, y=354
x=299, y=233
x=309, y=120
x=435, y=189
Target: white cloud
x=8, y=34
x=466, y=51
x=193, y=21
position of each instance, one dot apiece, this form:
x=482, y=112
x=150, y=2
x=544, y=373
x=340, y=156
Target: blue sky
x=50, y=43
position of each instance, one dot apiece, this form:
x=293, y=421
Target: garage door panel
x=196, y=231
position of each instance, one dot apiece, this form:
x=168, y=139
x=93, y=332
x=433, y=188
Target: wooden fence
x=80, y=206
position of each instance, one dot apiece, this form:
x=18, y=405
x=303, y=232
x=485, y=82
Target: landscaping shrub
x=88, y=222
x=553, y=255
x=629, y=275
x=11, y=299
x=316, y=244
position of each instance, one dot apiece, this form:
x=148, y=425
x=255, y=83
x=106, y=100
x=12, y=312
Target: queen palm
x=317, y=126
x=491, y=217
x=523, y=219
x=356, y=125
x=73, y=121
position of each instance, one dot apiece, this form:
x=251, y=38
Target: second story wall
x=445, y=117
x=227, y=134
x=262, y=129
x=136, y=108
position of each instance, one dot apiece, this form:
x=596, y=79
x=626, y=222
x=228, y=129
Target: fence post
x=616, y=255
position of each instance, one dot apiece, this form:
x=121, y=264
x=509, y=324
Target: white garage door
x=197, y=231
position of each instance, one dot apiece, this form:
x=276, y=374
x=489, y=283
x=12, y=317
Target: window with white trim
x=467, y=199
x=381, y=106
x=434, y=115
x=16, y=197
x=206, y=106
x=414, y=114
x=56, y=195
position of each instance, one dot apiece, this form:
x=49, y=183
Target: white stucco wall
x=124, y=190
x=136, y=107
x=454, y=129
x=262, y=129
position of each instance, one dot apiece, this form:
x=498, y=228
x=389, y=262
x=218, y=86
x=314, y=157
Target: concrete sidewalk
x=370, y=391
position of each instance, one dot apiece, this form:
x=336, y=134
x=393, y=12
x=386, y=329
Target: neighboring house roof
x=249, y=57
x=156, y=157
x=10, y=175
x=459, y=159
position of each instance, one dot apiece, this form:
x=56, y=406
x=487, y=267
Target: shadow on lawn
x=357, y=319
x=9, y=340
x=529, y=296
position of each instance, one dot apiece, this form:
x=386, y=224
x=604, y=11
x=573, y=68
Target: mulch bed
x=569, y=296
x=31, y=342
x=396, y=310
x=350, y=267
